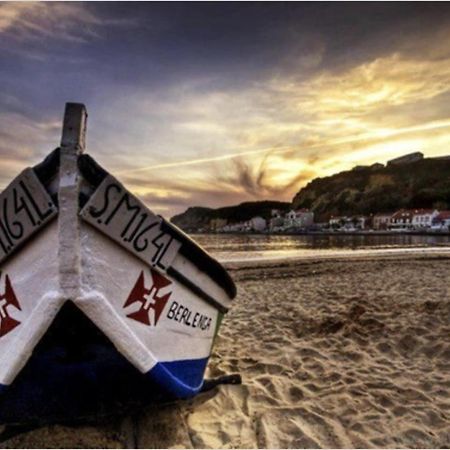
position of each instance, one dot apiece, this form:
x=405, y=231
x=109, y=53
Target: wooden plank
x=73, y=142
x=25, y=207
x=120, y=215
x=74, y=126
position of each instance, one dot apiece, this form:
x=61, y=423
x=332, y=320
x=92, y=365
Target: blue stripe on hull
x=48, y=389
x=75, y=371
x=181, y=379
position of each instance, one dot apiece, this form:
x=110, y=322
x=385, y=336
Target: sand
x=333, y=353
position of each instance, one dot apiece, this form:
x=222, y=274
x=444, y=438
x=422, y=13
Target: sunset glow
x=215, y=104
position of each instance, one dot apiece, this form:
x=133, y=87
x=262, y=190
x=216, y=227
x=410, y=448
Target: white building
x=423, y=218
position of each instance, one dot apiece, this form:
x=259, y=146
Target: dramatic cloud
x=223, y=103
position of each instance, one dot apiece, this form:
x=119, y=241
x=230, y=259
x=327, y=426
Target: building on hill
x=406, y=159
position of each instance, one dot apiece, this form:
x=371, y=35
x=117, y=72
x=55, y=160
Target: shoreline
x=326, y=233
x=345, y=254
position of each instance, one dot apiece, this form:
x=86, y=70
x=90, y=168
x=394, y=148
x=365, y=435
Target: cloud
x=24, y=141
x=27, y=21
x=43, y=30
x=271, y=138
x=187, y=113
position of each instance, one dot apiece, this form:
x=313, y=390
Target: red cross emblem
x=7, y=323
x=152, y=302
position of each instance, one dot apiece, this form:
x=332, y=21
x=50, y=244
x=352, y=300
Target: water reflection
x=239, y=246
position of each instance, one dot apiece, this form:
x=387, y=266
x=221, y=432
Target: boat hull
x=104, y=350
x=103, y=304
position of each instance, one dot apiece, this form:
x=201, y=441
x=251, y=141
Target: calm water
x=238, y=247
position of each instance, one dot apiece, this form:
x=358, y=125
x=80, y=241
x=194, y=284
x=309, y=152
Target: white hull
x=154, y=294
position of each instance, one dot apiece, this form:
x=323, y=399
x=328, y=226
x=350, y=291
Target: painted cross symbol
x=152, y=303
x=7, y=323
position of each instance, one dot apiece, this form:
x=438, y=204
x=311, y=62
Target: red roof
x=423, y=211
x=403, y=214
x=443, y=215
x=408, y=213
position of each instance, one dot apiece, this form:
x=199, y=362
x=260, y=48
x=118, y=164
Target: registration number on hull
x=120, y=215
x=25, y=207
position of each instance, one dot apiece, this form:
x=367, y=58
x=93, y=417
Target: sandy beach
x=332, y=353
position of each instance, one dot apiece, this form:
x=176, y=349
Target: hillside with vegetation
x=197, y=218
x=378, y=188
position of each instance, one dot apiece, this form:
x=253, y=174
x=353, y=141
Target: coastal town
x=295, y=218
x=302, y=221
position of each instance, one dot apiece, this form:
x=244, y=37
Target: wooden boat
x=103, y=304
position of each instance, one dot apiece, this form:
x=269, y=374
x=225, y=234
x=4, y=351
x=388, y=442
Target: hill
x=196, y=218
x=370, y=189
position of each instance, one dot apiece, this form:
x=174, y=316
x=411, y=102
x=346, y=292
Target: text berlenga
x=186, y=316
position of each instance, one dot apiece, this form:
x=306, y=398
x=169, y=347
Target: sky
x=213, y=104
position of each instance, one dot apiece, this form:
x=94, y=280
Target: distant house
x=406, y=159
x=402, y=220
x=441, y=221
x=299, y=218
x=381, y=221
x=423, y=218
